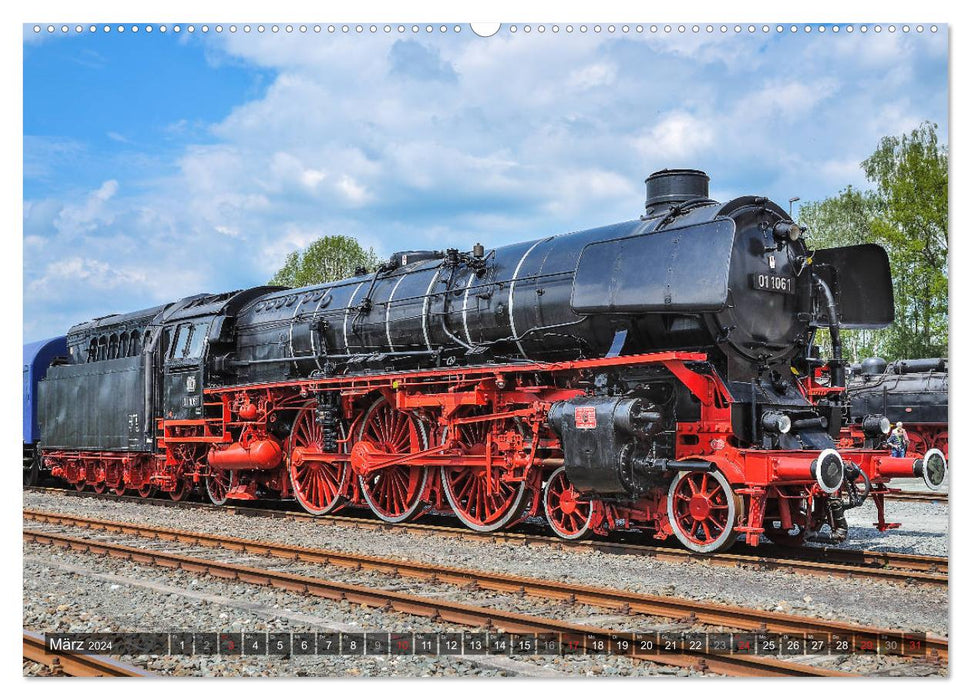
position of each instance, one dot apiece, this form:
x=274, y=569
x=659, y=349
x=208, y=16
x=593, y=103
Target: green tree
x=910, y=174
x=327, y=259
x=907, y=214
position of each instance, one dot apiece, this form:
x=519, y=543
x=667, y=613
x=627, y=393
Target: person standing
x=898, y=441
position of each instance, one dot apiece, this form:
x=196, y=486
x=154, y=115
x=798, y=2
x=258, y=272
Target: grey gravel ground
x=75, y=592
x=910, y=607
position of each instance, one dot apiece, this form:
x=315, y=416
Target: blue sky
x=160, y=165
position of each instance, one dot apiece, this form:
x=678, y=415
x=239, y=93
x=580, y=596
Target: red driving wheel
x=481, y=503
x=394, y=492
x=318, y=485
x=703, y=509
x=569, y=514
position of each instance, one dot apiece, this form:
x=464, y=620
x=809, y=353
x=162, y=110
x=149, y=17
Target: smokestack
x=668, y=187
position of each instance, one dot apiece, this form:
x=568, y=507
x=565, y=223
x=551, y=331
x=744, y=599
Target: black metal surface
x=912, y=398
x=647, y=273
x=859, y=276
x=679, y=280
x=96, y=406
x=604, y=439
x=673, y=186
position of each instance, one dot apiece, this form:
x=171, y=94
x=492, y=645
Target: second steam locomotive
x=652, y=375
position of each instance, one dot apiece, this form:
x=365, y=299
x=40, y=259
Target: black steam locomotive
x=599, y=377
x=912, y=392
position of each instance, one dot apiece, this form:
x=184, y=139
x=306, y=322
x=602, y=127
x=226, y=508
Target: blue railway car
x=38, y=357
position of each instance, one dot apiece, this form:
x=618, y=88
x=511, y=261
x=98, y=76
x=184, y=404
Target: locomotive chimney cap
x=675, y=185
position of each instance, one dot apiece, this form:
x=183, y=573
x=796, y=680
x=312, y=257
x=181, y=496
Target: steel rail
x=437, y=609
x=78, y=664
x=922, y=496
x=818, y=561
x=703, y=612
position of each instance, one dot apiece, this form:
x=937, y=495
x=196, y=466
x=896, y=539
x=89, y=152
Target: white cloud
x=677, y=136
x=594, y=75
x=496, y=140
x=89, y=213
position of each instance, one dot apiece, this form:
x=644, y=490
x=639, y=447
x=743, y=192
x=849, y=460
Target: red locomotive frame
x=475, y=440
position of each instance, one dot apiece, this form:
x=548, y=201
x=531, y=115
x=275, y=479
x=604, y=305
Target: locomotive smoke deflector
x=859, y=277
x=645, y=273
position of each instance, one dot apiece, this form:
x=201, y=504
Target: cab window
x=197, y=340
x=180, y=342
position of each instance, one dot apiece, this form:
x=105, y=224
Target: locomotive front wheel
x=394, y=493
x=481, y=506
x=318, y=486
x=567, y=512
x=703, y=509
x=219, y=484
x=146, y=491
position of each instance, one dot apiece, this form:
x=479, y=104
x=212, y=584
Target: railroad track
x=701, y=612
x=819, y=561
x=438, y=609
x=71, y=664
x=923, y=496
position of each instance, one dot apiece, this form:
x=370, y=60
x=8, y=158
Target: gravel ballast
x=78, y=592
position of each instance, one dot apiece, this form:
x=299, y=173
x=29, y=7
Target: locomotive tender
x=655, y=374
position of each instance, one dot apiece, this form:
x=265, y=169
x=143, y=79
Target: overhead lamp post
x=792, y=200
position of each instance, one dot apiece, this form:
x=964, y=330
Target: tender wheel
x=219, y=484
x=567, y=512
x=80, y=484
x=119, y=490
x=100, y=487
x=393, y=493
x=467, y=489
x=318, y=485
x=703, y=509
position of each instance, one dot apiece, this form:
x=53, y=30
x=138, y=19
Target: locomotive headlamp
x=786, y=230
x=876, y=425
x=776, y=422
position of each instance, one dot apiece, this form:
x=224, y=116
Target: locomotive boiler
x=655, y=374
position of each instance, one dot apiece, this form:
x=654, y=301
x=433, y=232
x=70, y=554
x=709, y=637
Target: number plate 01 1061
x=774, y=283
